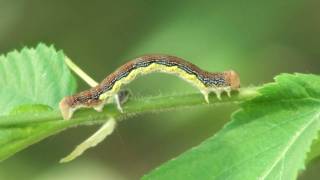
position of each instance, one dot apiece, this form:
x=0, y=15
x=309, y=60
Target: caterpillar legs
x=121, y=97
x=217, y=91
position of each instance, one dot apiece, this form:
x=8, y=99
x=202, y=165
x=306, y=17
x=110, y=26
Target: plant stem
x=133, y=106
x=80, y=72
x=43, y=124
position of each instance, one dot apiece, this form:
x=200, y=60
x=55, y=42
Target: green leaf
x=34, y=76
x=314, y=152
x=267, y=139
x=30, y=108
x=20, y=131
x=32, y=83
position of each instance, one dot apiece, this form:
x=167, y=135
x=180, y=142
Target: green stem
x=44, y=124
x=80, y=72
x=133, y=106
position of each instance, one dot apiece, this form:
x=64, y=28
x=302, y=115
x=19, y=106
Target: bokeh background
x=258, y=39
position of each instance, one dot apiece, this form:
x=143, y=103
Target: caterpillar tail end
x=118, y=103
x=121, y=98
x=65, y=109
x=98, y=107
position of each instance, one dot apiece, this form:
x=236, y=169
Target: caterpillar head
x=233, y=79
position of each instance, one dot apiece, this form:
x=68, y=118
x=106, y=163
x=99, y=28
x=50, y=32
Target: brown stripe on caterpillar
x=97, y=96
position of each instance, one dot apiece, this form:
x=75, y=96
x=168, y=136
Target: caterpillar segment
x=110, y=88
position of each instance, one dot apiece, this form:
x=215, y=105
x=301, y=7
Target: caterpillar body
x=101, y=94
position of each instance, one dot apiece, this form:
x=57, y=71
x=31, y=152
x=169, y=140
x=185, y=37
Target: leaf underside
x=267, y=138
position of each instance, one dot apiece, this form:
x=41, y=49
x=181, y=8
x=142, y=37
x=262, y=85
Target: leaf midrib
x=292, y=141
x=239, y=163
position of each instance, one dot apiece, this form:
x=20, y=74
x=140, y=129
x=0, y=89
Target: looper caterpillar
x=101, y=94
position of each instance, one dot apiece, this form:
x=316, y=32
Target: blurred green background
x=258, y=39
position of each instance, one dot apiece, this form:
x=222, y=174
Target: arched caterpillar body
x=97, y=96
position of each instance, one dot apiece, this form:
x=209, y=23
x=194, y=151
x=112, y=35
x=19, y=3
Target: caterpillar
x=101, y=94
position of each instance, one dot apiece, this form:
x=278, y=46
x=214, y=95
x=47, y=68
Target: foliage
x=34, y=76
x=268, y=137
x=32, y=82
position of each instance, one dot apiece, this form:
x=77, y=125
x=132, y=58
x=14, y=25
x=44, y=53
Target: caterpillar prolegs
x=101, y=94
